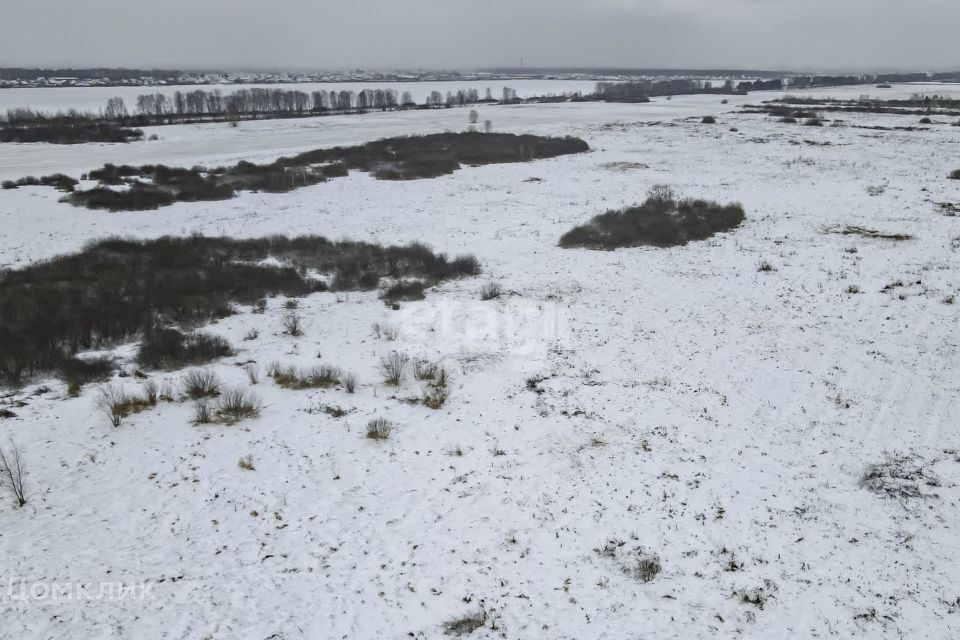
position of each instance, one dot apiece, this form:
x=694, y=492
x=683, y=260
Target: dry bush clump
x=246, y=463
x=865, y=232
x=349, y=382
x=955, y=174
x=379, y=429
x=899, y=476
x=387, y=331
x=292, y=324
x=320, y=377
x=661, y=221
x=490, y=291
x=202, y=411
x=393, y=366
x=635, y=562
x=435, y=396
x=117, y=404
x=11, y=473
x=437, y=391
x=150, y=391
x=757, y=596
x=466, y=624
x=235, y=405
x=646, y=567
x=201, y=383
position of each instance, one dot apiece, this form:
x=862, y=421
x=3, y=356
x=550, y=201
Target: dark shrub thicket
x=406, y=158
x=661, y=221
x=81, y=371
x=404, y=290
x=137, y=198
x=955, y=174
x=60, y=133
x=118, y=289
x=57, y=180
x=170, y=349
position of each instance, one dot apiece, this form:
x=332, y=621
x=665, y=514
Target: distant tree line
x=200, y=105
x=266, y=103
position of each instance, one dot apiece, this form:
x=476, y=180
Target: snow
x=677, y=400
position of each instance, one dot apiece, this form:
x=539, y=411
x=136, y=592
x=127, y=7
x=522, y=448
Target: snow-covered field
x=678, y=401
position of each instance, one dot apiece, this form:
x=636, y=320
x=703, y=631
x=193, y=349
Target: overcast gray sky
x=335, y=34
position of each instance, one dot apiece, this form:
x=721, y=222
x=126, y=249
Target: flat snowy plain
x=678, y=401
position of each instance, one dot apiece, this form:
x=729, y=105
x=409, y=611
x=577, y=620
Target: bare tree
x=115, y=109
x=11, y=473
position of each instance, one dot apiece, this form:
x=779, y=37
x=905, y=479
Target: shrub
x=708, y=120
x=899, y=476
x=788, y=120
x=465, y=625
x=404, y=290
x=11, y=473
x=292, y=325
x=926, y=121
x=386, y=331
x=236, y=405
x=661, y=221
x=117, y=405
x=253, y=373
x=202, y=413
x=379, y=429
x=424, y=370
x=955, y=174
x=349, y=382
x=150, y=390
x=322, y=377
x=647, y=567
x=490, y=291
x=246, y=463
x=201, y=383
x=435, y=396
x=813, y=122
x=765, y=266
x=393, y=366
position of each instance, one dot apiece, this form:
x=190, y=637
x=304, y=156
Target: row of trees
x=274, y=101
